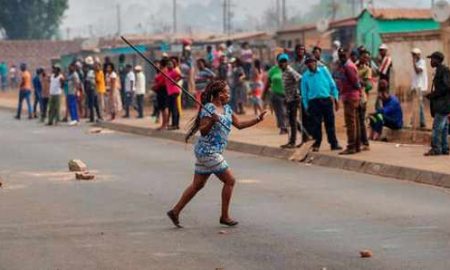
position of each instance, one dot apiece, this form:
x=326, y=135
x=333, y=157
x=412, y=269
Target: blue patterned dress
x=209, y=148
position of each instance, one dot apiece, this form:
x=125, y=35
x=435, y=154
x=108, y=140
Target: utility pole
x=224, y=16
x=334, y=9
x=283, y=13
x=278, y=13
x=353, y=4
x=119, y=22
x=68, y=33
x=174, y=16
x=228, y=15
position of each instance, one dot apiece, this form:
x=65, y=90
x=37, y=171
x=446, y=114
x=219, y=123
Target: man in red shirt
x=350, y=89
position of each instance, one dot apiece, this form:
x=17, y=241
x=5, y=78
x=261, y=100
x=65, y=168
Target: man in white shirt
x=140, y=90
x=129, y=87
x=419, y=85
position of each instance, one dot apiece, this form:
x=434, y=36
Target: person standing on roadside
x=278, y=97
x=91, y=90
x=140, y=90
x=419, y=86
x=100, y=86
x=113, y=90
x=73, y=82
x=290, y=83
x=129, y=88
x=365, y=77
x=440, y=105
x=173, y=91
x=320, y=98
x=24, y=91
x=45, y=83
x=37, y=92
x=56, y=90
x=350, y=89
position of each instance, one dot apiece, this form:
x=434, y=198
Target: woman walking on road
x=214, y=130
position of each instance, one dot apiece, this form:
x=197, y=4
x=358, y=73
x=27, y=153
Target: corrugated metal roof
x=401, y=13
x=308, y=27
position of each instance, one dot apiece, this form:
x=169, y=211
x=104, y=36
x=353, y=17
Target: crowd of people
x=301, y=89
x=92, y=90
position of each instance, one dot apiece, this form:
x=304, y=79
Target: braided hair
x=212, y=91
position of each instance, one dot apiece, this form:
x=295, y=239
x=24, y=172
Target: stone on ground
x=84, y=176
x=76, y=165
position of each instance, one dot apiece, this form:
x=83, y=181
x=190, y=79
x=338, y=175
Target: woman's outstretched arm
x=249, y=123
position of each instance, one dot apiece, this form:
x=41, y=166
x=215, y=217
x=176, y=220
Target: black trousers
x=44, y=108
x=140, y=105
x=322, y=110
x=292, y=112
x=173, y=108
x=93, y=104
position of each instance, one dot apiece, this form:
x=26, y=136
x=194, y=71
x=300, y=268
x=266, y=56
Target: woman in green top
x=278, y=99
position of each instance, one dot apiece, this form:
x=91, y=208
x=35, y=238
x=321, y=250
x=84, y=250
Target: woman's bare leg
x=197, y=184
x=227, y=191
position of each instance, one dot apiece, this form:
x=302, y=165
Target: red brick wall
x=35, y=53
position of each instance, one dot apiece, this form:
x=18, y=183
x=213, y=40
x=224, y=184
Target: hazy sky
x=99, y=17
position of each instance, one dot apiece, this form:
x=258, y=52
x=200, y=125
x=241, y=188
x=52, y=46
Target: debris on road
x=76, y=165
x=84, y=176
x=366, y=253
x=223, y=232
x=1, y=183
x=100, y=131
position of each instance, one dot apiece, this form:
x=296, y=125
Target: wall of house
x=400, y=51
x=36, y=53
x=308, y=38
x=367, y=33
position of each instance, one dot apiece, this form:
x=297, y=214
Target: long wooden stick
x=170, y=79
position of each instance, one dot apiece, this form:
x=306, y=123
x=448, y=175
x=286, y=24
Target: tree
x=31, y=19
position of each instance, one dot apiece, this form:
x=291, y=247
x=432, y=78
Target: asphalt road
x=291, y=216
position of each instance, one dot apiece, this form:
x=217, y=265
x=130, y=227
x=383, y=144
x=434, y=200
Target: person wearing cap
x=90, y=88
x=440, y=105
x=336, y=46
x=73, y=83
x=278, y=97
x=384, y=62
x=319, y=99
x=56, y=86
x=37, y=92
x=129, y=88
x=419, y=85
x=140, y=90
x=24, y=91
x=291, y=80
x=349, y=84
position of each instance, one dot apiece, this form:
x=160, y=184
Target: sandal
x=230, y=223
x=174, y=219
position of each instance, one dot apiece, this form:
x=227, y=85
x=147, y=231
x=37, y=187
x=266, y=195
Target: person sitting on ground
x=389, y=115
